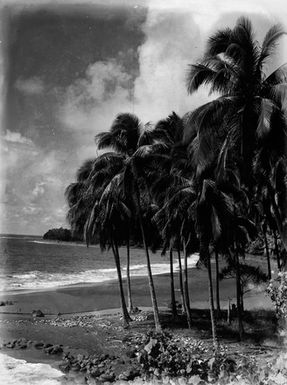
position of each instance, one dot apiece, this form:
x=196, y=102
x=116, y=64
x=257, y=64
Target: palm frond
x=276, y=77
x=218, y=42
x=267, y=108
x=104, y=140
x=269, y=43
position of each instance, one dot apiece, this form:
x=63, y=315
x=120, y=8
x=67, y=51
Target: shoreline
x=90, y=297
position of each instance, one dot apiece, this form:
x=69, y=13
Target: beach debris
x=38, y=313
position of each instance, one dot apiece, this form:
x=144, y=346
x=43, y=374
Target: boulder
x=38, y=313
x=38, y=345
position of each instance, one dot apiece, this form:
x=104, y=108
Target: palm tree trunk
x=217, y=283
x=130, y=302
x=185, y=285
x=238, y=297
x=267, y=253
x=150, y=278
x=172, y=292
x=180, y=280
x=241, y=300
x=211, y=301
x=276, y=249
x=125, y=312
x=278, y=219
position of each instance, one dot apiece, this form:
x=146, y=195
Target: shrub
x=277, y=290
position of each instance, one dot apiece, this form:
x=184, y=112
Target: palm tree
x=124, y=137
x=176, y=220
x=108, y=216
x=172, y=290
x=217, y=282
x=248, y=114
x=90, y=218
x=214, y=214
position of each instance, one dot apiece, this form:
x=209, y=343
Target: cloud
x=175, y=36
x=16, y=137
x=32, y=86
x=173, y=40
x=38, y=190
x=91, y=102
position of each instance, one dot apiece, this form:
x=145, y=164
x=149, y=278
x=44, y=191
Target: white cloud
x=92, y=102
x=16, y=137
x=38, y=190
x=32, y=86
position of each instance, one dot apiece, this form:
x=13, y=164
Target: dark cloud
x=48, y=50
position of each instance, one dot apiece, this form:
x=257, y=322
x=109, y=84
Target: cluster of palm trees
x=209, y=181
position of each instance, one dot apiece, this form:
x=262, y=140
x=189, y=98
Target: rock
x=2, y=303
x=38, y=345
x=38, y=313
x=122, y=377
x=107, y=377
x=47, y=346
x=49, y=349
x=64, y=366
x=11, y=345
x=76, y=367
x=95, y=372
x=57, y=349
x=131, y=353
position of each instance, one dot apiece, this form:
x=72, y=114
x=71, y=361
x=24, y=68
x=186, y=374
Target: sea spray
x=15, y=372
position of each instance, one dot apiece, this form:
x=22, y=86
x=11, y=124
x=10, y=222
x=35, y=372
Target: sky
x=67, y=68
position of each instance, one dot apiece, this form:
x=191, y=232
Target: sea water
x=29, y=262
x=15, y=371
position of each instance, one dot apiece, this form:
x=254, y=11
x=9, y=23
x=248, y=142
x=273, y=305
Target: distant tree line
x=64, y=235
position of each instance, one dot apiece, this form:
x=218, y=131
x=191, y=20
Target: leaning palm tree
x=107, y=217
x=124, y=138
x=93, y=214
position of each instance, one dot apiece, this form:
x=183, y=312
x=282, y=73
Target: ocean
x=31, y=263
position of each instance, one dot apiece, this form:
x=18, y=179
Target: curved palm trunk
x=239, y=297
x=267, y=253
x=211, y=301
x=241, y=300
x=276, y=249
x=172, y=292
x=186, y=293
x=150, y=278
x=130, y=302
x=126, y=316
x=217, y=283
x=181, y=281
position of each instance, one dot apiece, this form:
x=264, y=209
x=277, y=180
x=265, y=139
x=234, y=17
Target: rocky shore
x=177, y=356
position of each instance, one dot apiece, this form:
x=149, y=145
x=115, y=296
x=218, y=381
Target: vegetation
x=64, y=235
x=213, y=181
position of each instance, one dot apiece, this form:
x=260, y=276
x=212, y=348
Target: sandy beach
x=103, y=298
x=86, y=319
